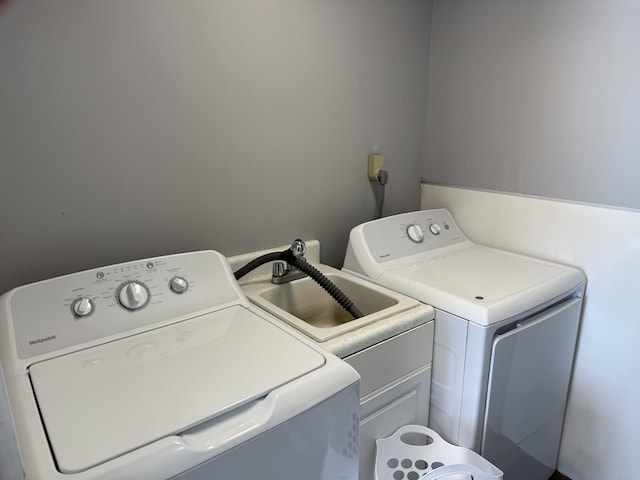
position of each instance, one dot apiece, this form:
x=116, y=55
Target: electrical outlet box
x=376, y=163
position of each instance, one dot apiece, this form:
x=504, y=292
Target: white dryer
x=161, y=368
x=505, y=334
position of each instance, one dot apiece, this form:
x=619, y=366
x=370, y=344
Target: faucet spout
x=284, y=271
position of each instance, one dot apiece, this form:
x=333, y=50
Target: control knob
x=415, y=233
x=82, y=307
x=133, y=295
x=178, y=285
x=435, y=228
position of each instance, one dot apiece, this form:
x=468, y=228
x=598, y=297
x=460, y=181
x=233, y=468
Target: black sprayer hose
x=301, y=264
x=344, y=301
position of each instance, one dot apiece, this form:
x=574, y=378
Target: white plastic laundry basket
x=415, y=452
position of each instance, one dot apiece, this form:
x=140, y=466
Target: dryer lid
x=481, y=284
x=100, y=403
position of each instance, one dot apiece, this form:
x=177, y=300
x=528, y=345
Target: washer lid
x=103, y=402
x=481, y=284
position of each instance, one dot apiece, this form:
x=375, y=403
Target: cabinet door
x=404, y=402
x=392, y=359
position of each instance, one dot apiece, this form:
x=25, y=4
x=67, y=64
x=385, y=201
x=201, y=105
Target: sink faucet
x=294, y=256
x=281, y=272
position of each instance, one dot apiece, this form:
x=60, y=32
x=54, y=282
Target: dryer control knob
x=435, y=228
x=82, y=307
x=178, y=285
x=133, y=295
x=415, y=233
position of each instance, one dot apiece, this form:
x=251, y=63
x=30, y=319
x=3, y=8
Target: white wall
x=138, y=128
x=600, y=439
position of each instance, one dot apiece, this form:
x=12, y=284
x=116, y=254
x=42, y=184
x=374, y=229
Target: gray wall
x=536, y=97
x=543, y=98
x=131, y=129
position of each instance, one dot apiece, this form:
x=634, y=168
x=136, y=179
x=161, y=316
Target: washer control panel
x=407, y=234
x=96, y=304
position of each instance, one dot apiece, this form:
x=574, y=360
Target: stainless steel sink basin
x=304, y=305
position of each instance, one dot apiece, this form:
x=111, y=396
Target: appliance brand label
x=42, y=340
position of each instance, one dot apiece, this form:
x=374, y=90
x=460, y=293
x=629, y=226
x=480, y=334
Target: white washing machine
x=505, y=334
x=161, y=368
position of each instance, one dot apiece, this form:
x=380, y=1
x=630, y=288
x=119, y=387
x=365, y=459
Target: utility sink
x=305, y=305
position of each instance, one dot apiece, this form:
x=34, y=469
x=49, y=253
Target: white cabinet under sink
x=391, y=346
x=394, y=388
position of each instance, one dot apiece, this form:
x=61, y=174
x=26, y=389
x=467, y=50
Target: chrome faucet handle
x=279, y=269
x=283, y=273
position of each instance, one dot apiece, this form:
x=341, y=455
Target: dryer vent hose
x=301, y=264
